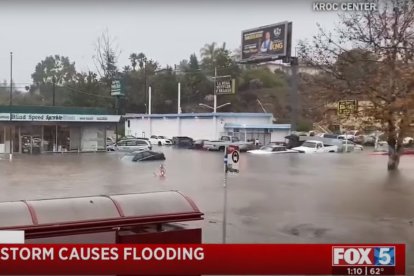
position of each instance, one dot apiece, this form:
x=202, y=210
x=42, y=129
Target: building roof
x=55, y=110
x=198, y=115
x=259, y=126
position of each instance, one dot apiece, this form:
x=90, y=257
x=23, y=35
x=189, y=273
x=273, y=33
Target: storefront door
x=31, y=144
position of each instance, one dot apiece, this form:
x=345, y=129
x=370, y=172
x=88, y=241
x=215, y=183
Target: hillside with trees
x=258, y=89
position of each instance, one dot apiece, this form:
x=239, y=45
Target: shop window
x=49, y=138
x=63, y=139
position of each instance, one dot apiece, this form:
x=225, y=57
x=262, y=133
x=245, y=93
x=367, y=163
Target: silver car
x=130, y=145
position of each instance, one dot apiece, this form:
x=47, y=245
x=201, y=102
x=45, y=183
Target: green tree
x=106, y=58
x=142, y=59
x=134, y=60
x=54, y=67
x=54, y=72
x=88, y=91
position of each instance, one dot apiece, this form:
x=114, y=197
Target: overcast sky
x=167, y=31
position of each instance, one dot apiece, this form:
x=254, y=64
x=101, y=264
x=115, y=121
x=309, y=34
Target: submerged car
x=147, y=155
x=183, y=142
x=130, y=145
x=272, y=149
x=160, y=140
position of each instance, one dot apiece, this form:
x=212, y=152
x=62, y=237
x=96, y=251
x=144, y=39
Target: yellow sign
x=347, y=107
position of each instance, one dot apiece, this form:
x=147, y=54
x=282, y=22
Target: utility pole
x=54, y=89
x=294, y=96
x=145, y=87
x=214, y=92
x=179, y=99
x=11, y=79
x=11, y=103
x=215, y=104
x=149, y=100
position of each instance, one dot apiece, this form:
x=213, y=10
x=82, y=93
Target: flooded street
x=296, y=198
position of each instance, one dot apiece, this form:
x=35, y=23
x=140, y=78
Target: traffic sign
x=232, y=158
x=235, y=156
x=116, y=88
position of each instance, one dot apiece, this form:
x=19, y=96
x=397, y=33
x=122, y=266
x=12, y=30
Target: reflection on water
x=275, y=198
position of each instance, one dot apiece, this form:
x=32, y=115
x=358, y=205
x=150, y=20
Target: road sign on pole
x=232, y=157
x=116, y=88
x=231, y=164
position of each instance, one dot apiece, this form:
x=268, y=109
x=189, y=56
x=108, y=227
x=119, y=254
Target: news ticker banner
x=204, y=259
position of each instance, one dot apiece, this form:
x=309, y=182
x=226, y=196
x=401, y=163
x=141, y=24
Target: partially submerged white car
x=314, y=146
x=272, y=149
x=160, y=140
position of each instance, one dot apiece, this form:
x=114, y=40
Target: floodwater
x=292, y=198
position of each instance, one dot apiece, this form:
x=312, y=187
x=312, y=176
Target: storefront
x=54, y=129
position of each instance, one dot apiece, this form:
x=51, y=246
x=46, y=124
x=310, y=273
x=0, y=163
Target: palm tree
x=210, y=53
x=127, y=69
x=133, y=58
x=141, y=60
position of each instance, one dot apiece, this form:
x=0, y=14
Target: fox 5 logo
x=363, y=256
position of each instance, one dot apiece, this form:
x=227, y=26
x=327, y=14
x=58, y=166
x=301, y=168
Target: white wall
x=278, y=135
x=89, y=140
x=165, y=127
x=196, y=128
x=138, y=127
x=247, y=120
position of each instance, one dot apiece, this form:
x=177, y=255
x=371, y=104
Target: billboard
x=267, y=43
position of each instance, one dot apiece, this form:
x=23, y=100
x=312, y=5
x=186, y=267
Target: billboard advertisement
x=267, y=43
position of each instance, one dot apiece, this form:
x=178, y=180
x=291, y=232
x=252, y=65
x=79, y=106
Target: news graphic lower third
x=203, y=259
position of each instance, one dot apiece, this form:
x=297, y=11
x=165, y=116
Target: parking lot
x=290, y=198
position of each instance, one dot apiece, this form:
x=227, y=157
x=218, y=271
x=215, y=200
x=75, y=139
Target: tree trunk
x=394, y=153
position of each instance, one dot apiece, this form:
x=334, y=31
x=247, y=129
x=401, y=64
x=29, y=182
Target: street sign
x=232, y=158
x=116, y=88
x=347, y=107
x=235, y=156
x=225, y=86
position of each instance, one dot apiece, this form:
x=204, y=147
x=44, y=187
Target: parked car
x=353, y=146
x=408, y=141
x=293, y=141
x=183, y=142
x=277, y=143
x=313, y=146
x=130, y=145
x=224, y=141
x=198, y=144
x=109, y=141
x=148, y=155
x=160, y=140
x=272, y=149
x=330, y=135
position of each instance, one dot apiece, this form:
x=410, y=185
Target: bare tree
x=106, y=57
x=379, y=46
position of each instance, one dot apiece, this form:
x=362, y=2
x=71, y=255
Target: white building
x=207, y=126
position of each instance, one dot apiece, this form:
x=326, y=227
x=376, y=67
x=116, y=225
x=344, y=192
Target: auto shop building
x=40, y=129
